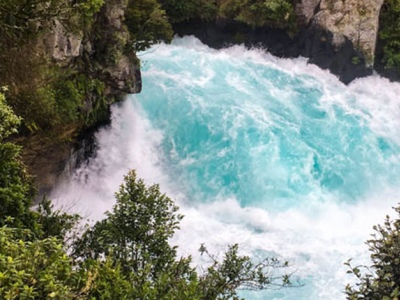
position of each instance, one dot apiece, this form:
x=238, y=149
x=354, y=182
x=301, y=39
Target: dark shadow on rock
x=313, y=43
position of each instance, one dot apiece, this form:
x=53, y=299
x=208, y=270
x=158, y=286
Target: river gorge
x=274, y=154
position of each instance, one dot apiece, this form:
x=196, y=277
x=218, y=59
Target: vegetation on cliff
x=42, y=92
x=148, y=24
x=255, y=13
x=48, y=93
x=389, y=33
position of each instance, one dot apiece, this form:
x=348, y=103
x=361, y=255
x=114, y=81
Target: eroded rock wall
x=339, y=35
x=356, y=20
x=99, y=52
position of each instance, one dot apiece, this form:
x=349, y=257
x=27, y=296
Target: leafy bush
x=147, y=23
x=179, y=11
x=124, y=256
x=8, y=120
x=16, y=192
x=135, y=237
x=257, y=13
x=37, y=269
x=380, y=281
x=389, y=33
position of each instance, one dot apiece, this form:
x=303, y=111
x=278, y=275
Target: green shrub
x=147, y=23
x=257, y=13
x=381, y=280
x=389, y=33
x=179, y=11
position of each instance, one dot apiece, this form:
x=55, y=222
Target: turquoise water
x=274, y=154
x=235, y=126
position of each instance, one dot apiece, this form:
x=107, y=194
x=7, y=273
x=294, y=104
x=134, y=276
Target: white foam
x=317, y=237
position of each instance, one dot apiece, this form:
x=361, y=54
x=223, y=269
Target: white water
x=274, y=154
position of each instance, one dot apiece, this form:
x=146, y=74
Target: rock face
x=104, y=46
x=315, y=43
x=61, y=45
x=339, y=35
x=101, y=54
x=305, y=10
x=116, y=67
x=353, y=19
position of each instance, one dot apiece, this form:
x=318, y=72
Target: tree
x=147, y=24
x=8, y=120
x=223, y=278
x=257, y=13
x=180, y=11
x=135, y=237
x=16, y=190
x=389, y=31
x=136, y=232
x=381, y=280
x=37, y=269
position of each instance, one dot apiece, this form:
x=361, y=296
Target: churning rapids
x=274, y=154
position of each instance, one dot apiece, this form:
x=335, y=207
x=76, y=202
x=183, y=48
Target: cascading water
x=273, y=154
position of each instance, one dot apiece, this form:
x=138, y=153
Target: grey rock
x=355, y=20
x=62, y=45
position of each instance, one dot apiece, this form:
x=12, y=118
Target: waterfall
x=274, y=154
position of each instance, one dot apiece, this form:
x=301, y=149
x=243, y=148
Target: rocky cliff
x=339, y=35
x=356, y=20
x=101, y=53
x=102, y=49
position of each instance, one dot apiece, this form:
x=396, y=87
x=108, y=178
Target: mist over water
x=274, y=154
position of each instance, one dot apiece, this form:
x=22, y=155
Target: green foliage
x=389, y=33
x=103, y=280
x=89, y=7
x=382, y=279
x=16, y=191
x=224, y=278
x=55, y=223
x=136, y=232
x=37, y=269
x=180, y=11
x=355, y=60
x=43, y=94
x=134, y=236
x=75, y=91
x=125, y=256
x=21, y=19
x=67, y=98
x=257, y=13
x=38, y=108
x=8, y=120
x=147, y=23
